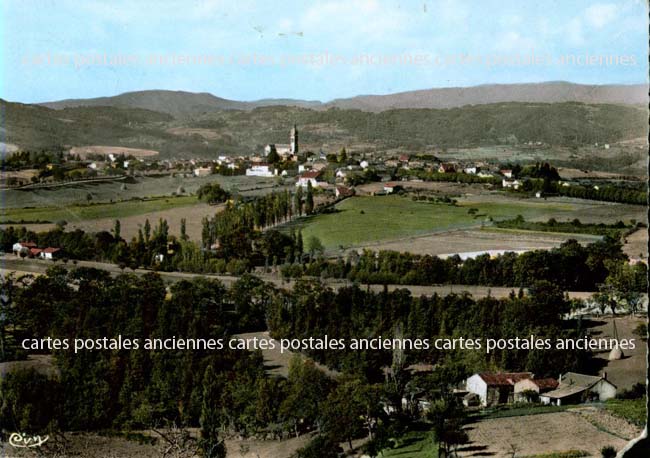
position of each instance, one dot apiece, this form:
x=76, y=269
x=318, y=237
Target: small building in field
x=50, y=253
x=343, y=191
x=576, y=388
x=495, y=388
x=506, y=173
x=511, y=184
x=446, y=168
x=528, y=390
x=390, y=188
x=202, y=171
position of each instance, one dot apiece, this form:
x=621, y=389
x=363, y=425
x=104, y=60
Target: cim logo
x=22, y=440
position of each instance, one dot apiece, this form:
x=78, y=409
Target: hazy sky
x=248, y=50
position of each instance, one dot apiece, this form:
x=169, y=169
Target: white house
x=471, y=170
x=506, y=173
x=364, y=164
x=261, y=170
x=19, y=247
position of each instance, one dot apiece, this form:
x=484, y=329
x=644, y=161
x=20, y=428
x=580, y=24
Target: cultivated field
x=482, y=239
x=587, y=429
x=140, y=187
x=636, y=244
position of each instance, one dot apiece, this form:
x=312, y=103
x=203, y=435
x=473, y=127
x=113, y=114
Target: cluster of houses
x=489, y=389
x=30, y=249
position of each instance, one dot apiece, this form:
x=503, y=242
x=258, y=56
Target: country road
x=10, y=263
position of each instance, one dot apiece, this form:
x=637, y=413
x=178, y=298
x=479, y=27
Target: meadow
x=74, y=213
x=361, y=220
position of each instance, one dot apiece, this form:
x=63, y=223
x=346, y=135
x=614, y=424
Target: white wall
x=475, y=384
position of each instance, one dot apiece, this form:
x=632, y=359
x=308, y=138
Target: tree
x=447, y=418
x=273, y=157
x=211, y=444
x=117, y=228
x=297, y=201
x=184, y=236
x=309, y=200
x=314, y=246
x=212, y=193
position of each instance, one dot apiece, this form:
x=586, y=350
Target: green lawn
x=633, y=410
x=369, y=219
x=414, y=444
x=106, y=210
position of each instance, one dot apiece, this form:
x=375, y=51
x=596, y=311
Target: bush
x=608, y=451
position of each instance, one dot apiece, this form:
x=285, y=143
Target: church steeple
x=293, y=140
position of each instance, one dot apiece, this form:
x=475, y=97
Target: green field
x=414, y=444
x=95, y=211
x=633, y=410
x=361, y=220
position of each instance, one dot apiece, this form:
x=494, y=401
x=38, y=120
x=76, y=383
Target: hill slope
x=188, y=104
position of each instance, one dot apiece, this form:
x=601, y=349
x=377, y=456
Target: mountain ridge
x=188, y=104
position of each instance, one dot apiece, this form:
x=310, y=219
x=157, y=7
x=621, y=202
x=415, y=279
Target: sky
x=320, y=50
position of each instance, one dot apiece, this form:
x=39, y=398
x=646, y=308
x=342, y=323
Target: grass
x=522, y=411
x=632, y=410
x=414, y=444
x=95, y=211
x=362, y=220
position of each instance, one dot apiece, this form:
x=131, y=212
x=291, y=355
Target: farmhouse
x=202, y=171
x=34, y=252
x=529, y=389
x=513, y=184
x=446, y=168
x=495, y=388
x=309, y=177
x=506, y=173
x=342, y=191
x=576, y=388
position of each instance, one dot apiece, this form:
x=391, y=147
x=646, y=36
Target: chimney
x=604, y=375
x=559, y=379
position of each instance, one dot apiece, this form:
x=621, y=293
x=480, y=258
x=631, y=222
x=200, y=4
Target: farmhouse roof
x=311, y=174
x=51, y=250
x=28, y=244
x=35, y=251
x=504, y=378
x=546, y=383
x=572, y=383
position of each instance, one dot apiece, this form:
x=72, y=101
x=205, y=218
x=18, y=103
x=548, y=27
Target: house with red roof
x=311, y=176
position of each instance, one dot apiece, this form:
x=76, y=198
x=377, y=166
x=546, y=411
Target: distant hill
x=552, y=92
x=176, y=103
x=189, y=104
